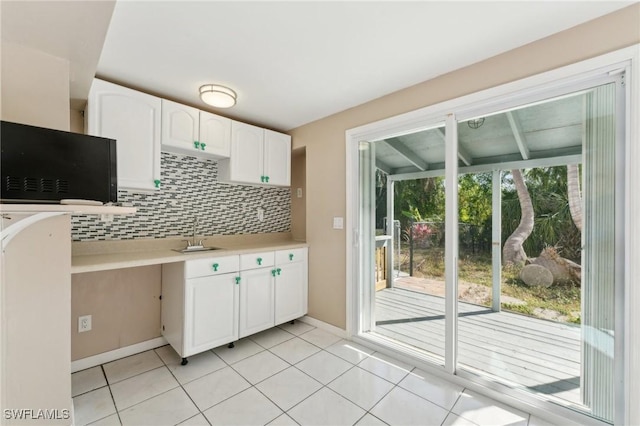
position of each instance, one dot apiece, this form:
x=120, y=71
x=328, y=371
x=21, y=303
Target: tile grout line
x=111, y=393
x=288, y=365
x=165, y=365
x=184, y=390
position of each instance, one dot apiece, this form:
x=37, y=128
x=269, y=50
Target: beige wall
x=35, y=87
x=325, y=139
x=36, y=285
x=124, y=305
x=77, y=121
x=36, y=293
x=299, y=205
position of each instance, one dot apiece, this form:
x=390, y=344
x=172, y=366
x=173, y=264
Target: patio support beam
x=496, y=240
x=398, y=146
x=560, y=160
x=518, y=134
x=463, y=154
x=390, y=231
x=451, y=246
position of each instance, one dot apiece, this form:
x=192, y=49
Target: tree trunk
x=573, y=193
x=512, y=252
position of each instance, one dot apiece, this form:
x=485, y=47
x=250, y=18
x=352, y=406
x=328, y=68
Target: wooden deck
x=541, y=355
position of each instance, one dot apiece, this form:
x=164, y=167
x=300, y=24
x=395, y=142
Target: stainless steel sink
x=194, y=249
x=194, y=245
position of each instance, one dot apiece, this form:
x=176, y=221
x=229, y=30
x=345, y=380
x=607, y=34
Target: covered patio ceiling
x=543, y=134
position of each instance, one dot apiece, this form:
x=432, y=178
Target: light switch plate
x=338, y=223
x=299, y=192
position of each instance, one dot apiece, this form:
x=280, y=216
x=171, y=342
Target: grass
x=477, y=268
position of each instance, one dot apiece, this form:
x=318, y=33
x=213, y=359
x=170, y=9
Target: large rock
x=563, y=270
x=536, y=276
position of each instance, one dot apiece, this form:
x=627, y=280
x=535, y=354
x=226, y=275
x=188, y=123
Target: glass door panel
x=407, y=202
x=536, y=269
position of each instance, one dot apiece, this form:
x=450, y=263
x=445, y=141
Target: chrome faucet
x=193, y=242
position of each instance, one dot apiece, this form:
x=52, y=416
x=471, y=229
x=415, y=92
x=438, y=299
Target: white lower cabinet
x=291, y=285
x=257, y=276
x=200, y=304
x=213, y=307
x=210, y=302
x=256, y=301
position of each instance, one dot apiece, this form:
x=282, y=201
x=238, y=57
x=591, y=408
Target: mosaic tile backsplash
x=190, y=190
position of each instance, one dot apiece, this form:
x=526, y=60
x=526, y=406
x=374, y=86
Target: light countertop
x=106, y=255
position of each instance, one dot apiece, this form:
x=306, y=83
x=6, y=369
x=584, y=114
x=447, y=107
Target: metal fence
x=473, y=239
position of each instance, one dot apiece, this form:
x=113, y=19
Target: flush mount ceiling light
x=217, y=96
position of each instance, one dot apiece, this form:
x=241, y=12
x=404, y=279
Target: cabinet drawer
x=292, y=255
x=211, y=266
x=256, y=260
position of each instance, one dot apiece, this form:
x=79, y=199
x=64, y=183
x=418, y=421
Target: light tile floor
x=287, y=375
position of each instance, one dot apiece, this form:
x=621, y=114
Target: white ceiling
x=73, y=30
x=290, y=62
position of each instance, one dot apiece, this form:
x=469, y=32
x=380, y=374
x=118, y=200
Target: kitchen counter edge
x=109, y=261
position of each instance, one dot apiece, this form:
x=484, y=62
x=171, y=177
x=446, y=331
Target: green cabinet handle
x=196, y=144
x=273, y=272
x=237, y=280
x=202, y=145
x=279, y=270
x=261, y=178
x=157, y=183
x=259, y=260
x=290, y=256
x=215, y=267
x=266, y=179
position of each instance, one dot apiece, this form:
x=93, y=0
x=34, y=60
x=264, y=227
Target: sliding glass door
x=402, y=225
x=490, y=243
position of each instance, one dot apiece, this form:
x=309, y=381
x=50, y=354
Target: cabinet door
x=180, y=127
x=290, y=292
x=247, y=153
x=256, y=301
x=277, y=158
x=211, y=312
x=215, y=134
x=133, y=120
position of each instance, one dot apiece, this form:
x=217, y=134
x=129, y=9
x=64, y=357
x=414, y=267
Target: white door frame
x=501, y=98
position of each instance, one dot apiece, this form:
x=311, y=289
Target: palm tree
x=573, y=193
x=512, y=251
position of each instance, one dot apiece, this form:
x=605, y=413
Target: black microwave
x=41, y=165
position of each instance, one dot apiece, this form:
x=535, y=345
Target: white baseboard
x=325, y=326
x=92, y=361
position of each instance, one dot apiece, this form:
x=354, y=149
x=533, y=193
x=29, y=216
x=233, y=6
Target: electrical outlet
x=299, y=192
x=84, y=323
x=260, y=214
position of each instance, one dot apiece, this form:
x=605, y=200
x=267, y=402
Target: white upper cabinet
x=133, y=119
x=188, y=130
x=180, y=125
x=215, y=134
x=258, y=156
x=277, y=158
x=247, y=153
x=142, y=124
